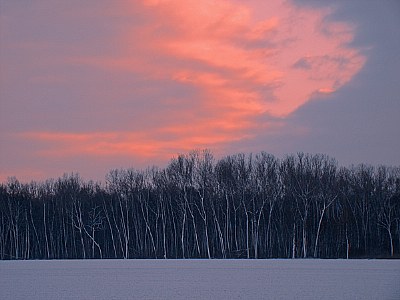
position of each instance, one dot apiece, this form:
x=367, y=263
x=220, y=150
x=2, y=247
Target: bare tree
x=387, y=190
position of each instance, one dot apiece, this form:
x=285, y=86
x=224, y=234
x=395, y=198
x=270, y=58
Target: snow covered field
x=200, y=279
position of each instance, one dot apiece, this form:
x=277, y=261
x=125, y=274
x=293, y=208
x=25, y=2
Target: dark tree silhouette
x=240, y=206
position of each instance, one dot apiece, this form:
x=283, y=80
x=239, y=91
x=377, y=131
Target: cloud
x=185, y=74
x=137, y=145
x=236, y=62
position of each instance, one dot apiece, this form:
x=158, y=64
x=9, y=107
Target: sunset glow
x=175, y=75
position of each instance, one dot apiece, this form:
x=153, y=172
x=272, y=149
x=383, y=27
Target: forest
x=239, y=206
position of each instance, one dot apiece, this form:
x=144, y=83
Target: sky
x=90, y=86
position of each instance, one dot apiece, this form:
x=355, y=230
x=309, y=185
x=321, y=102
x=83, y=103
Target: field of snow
x=200, y=279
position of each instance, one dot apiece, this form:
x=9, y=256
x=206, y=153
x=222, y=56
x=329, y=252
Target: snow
x=200, y=279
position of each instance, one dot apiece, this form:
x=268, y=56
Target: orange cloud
x=239, y=63
x=228, y=52
x=137, y=145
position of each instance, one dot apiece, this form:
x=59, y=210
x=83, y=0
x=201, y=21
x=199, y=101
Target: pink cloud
x=241, y=61
x=231, y=56
x=133, y=144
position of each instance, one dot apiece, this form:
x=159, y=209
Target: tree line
x=240, y=206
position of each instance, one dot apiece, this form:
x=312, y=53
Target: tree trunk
x=318, y=231
x=294, y=241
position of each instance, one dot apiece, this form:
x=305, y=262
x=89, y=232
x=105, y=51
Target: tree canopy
x=240, y=206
